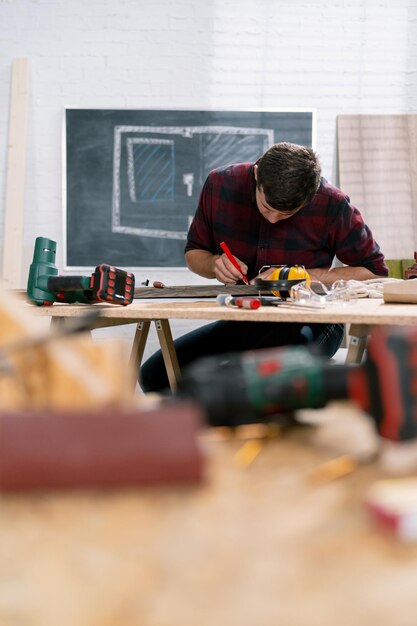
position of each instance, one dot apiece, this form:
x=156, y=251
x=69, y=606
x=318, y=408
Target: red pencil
x=232, y=259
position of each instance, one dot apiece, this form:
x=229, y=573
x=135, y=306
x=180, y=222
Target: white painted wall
x=341, y=56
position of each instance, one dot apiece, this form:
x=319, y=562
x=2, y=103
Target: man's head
x=287, y=178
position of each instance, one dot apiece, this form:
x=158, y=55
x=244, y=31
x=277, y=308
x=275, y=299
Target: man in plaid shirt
x=277, y=211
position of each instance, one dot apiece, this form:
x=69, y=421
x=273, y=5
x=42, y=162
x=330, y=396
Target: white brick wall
x=344, y=56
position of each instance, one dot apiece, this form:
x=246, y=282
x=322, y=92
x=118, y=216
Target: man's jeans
x=231, y=336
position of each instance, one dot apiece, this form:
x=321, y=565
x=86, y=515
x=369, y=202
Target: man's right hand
x=217, y=266
x=225, y=271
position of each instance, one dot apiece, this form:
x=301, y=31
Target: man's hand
x=264, y=275
x=226, y=272
x=210, y=265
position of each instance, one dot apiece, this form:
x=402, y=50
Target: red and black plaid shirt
x=329, y=226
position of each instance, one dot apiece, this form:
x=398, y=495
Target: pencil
x=232, y=259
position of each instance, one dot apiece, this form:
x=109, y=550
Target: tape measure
x=289, y=272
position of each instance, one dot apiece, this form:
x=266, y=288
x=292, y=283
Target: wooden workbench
x=360, y=316
x=368, y=311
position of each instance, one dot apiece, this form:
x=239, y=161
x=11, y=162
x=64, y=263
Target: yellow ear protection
x=288, y=272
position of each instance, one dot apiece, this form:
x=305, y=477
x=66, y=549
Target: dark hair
x=289, y=175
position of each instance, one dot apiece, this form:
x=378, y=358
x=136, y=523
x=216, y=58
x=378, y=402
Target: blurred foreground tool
x=106, y=284
x=57, y=370
x=100, y=449
x=252, y=386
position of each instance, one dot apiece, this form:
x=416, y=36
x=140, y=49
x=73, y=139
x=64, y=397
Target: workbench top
x=362, y=311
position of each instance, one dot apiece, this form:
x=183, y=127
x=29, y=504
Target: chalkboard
x=133, y=177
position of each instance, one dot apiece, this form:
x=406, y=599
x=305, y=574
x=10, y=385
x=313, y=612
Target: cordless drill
x=106, y=284
x=253, y=386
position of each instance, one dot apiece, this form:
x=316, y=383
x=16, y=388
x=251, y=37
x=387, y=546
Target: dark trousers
x=225, y=336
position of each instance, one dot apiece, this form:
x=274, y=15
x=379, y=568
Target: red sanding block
x=100, y=449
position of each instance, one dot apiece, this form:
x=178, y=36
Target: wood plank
x=16, y=174
x=197, y=291
x=377, y=169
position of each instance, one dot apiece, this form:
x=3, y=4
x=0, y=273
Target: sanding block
x=100, y=449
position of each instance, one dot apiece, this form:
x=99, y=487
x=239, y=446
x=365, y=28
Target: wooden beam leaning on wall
x=16, y=173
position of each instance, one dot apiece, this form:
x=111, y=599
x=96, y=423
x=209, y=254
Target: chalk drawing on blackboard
x=150, y=197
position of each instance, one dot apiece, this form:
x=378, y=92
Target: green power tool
x=106, y=284
x=251, y=386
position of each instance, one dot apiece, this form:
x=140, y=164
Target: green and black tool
x=106, y=284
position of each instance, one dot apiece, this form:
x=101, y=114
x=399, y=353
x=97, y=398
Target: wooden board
x=378, y=170
x=197, y=291
x=405, y=291
x=16, y=170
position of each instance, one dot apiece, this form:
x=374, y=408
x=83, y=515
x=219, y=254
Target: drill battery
x=106, y=284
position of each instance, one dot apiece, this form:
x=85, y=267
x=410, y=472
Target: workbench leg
x=168, y=352
x=138, y=348
x=61, y=324
x=57, y=323
x=358, y=334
